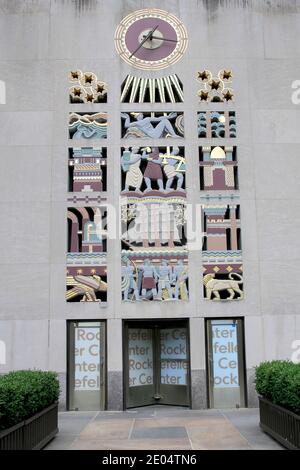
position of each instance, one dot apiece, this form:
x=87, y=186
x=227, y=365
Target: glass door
x=140, y=357
x=226, y=365
x=174, y=365
x=156, y=363
x=86, y=365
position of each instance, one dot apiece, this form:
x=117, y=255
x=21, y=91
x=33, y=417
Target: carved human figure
x=180, y=276
x=130, y=162
x=128, y=281
x=171, y=173
x=153, y=171
x=149, y=279
x=164, y=279
x=145, y=124
x=83, y=132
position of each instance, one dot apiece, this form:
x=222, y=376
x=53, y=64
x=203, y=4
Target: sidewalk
x=161, y=427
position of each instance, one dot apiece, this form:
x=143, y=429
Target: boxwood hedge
x=24, y=393
x=279, y=382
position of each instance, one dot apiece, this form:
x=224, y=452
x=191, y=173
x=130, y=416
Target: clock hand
x=149, y=35
x=163, y=39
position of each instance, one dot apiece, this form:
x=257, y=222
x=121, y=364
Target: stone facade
x=40, y=42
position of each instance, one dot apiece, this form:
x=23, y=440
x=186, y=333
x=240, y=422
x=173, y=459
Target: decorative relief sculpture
x=88, y=125
x=216, y=124
x=214, y=287
x=89, y=288
x=86, y=257
x=152, y=125
x=167, y=89
x=153, y=170
x=218, y=168
x=215, y=89
x=222, y=256
x=87, y=169
x=86, y=88
x=154, y=254
x=146, y=278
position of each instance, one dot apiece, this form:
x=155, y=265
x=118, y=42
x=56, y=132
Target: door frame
x=241, y=359
x=150, y=321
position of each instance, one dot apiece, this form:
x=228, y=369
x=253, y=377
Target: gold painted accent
x=177, y=86
x=87, y=88
x=126, y=87
x=218, y=153
x=77, y=91
x=225, y=74
x=205, y=75
x=228, y=95
x=161, y=89
x=88, y=78
x=203, y=95
x=134, y=89
x=169, y=88
x=90, y=97
x=215, y=88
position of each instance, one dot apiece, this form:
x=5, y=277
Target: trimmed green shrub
x=279, y=382
x=24, y=393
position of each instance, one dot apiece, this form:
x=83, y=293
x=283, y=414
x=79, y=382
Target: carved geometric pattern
x=218, y=168
x=221, y=252
x=86, y=279
x=215, y=88
x=86, y=88
x=87, y=169
x=216, y=124
x=152, y=90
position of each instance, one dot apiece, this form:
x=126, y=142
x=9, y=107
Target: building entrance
x=156, y=363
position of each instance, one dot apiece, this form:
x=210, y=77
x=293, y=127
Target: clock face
x=151, y=39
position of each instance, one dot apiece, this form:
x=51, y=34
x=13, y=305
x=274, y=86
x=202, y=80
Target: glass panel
x=226, y=388
x=86, y=365
x=140, y=352
x=225, y=355
x=173, y=355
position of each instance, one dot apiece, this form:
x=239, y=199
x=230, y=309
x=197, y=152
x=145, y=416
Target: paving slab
x=117, y=429
x=130, y=444
x=247, y=423
x=163, y=432
x=160, y=428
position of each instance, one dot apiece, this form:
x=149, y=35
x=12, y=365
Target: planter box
x=282, y=424
x=33, y=433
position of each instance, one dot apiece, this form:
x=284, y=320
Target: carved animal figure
x=215, y=286
x=87, y=286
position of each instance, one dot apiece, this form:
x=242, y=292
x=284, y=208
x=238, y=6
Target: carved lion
x=215, y=286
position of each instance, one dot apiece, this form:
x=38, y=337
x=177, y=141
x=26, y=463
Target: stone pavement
x=161, y=427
